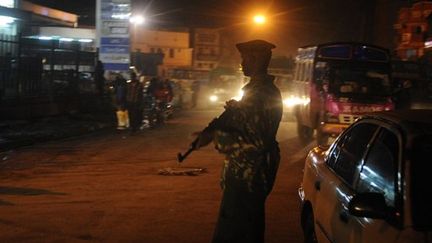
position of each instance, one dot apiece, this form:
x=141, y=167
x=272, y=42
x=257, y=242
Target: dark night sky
x=292, y=23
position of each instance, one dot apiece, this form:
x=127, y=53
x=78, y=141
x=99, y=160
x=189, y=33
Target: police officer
x=246, y=133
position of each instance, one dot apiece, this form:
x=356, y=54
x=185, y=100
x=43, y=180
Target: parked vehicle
x=371, y=184
x=337, y=83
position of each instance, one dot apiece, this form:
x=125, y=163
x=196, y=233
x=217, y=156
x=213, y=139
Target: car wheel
x=304, y=133
x=308, y=227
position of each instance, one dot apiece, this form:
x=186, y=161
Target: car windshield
x=421, y=168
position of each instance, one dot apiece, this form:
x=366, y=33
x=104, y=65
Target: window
x=171, y=53
x=379, y=170
x=346, y=156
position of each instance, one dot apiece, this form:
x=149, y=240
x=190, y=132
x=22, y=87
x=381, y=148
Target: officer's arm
x=219, y=123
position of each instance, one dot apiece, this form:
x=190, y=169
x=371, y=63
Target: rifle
x=216, y=122
x=192, y=147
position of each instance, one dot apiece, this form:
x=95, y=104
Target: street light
x=137, y=19
x=259, y=19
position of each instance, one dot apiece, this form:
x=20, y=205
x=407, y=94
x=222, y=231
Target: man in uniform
x=246, y=133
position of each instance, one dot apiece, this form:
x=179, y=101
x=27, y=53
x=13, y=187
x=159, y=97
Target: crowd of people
x=139, y=102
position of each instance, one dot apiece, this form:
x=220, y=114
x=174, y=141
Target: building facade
x=412, y=30
x=173, y=45
x=207, y=51
x=44, y=60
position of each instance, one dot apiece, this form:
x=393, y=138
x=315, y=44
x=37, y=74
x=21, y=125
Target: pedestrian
x=196, y=86
x=99, y=78
x=134, y=99
x=246, y=133
x=152, y=86
x=120, y=85
x=164, y=92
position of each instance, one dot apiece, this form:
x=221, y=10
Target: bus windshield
x=352, y=81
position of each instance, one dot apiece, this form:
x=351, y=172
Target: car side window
x=378, y=173
x=345, y=157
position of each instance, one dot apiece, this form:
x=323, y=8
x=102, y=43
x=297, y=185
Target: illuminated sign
x=113, y=33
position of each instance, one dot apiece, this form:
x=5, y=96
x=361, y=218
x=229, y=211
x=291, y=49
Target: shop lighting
x=6, y=20
x=66, y=39
x=45, y=38
x=7, y=3
x=85, y=40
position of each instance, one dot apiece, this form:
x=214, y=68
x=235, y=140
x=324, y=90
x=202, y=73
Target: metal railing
x=44, y=68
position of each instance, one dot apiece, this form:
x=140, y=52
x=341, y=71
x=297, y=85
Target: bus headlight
x=293, y=101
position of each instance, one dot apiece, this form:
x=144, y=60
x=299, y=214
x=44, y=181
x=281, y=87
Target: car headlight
x=213, y=98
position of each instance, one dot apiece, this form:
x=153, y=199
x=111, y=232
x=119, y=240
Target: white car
x=371, y=184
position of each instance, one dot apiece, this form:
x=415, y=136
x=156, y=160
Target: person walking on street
x=196, y=86
x=120, y=85
x=246, y=133
x=99, y=78
x=134, y=98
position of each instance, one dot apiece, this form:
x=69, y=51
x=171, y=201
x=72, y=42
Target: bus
x=337, y=83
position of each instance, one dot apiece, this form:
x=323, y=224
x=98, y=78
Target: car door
x=335, y=182
x=379, y=173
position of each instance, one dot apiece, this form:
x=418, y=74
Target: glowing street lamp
x=259, y=19
x=137, y=19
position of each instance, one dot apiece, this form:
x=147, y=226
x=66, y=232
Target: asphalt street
x=108, y=187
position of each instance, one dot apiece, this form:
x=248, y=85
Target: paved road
x=106, y=188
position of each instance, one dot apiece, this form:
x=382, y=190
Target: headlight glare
x=293, y=101
x=213, y=98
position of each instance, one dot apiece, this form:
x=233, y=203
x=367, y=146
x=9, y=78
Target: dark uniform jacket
x=246, y=133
